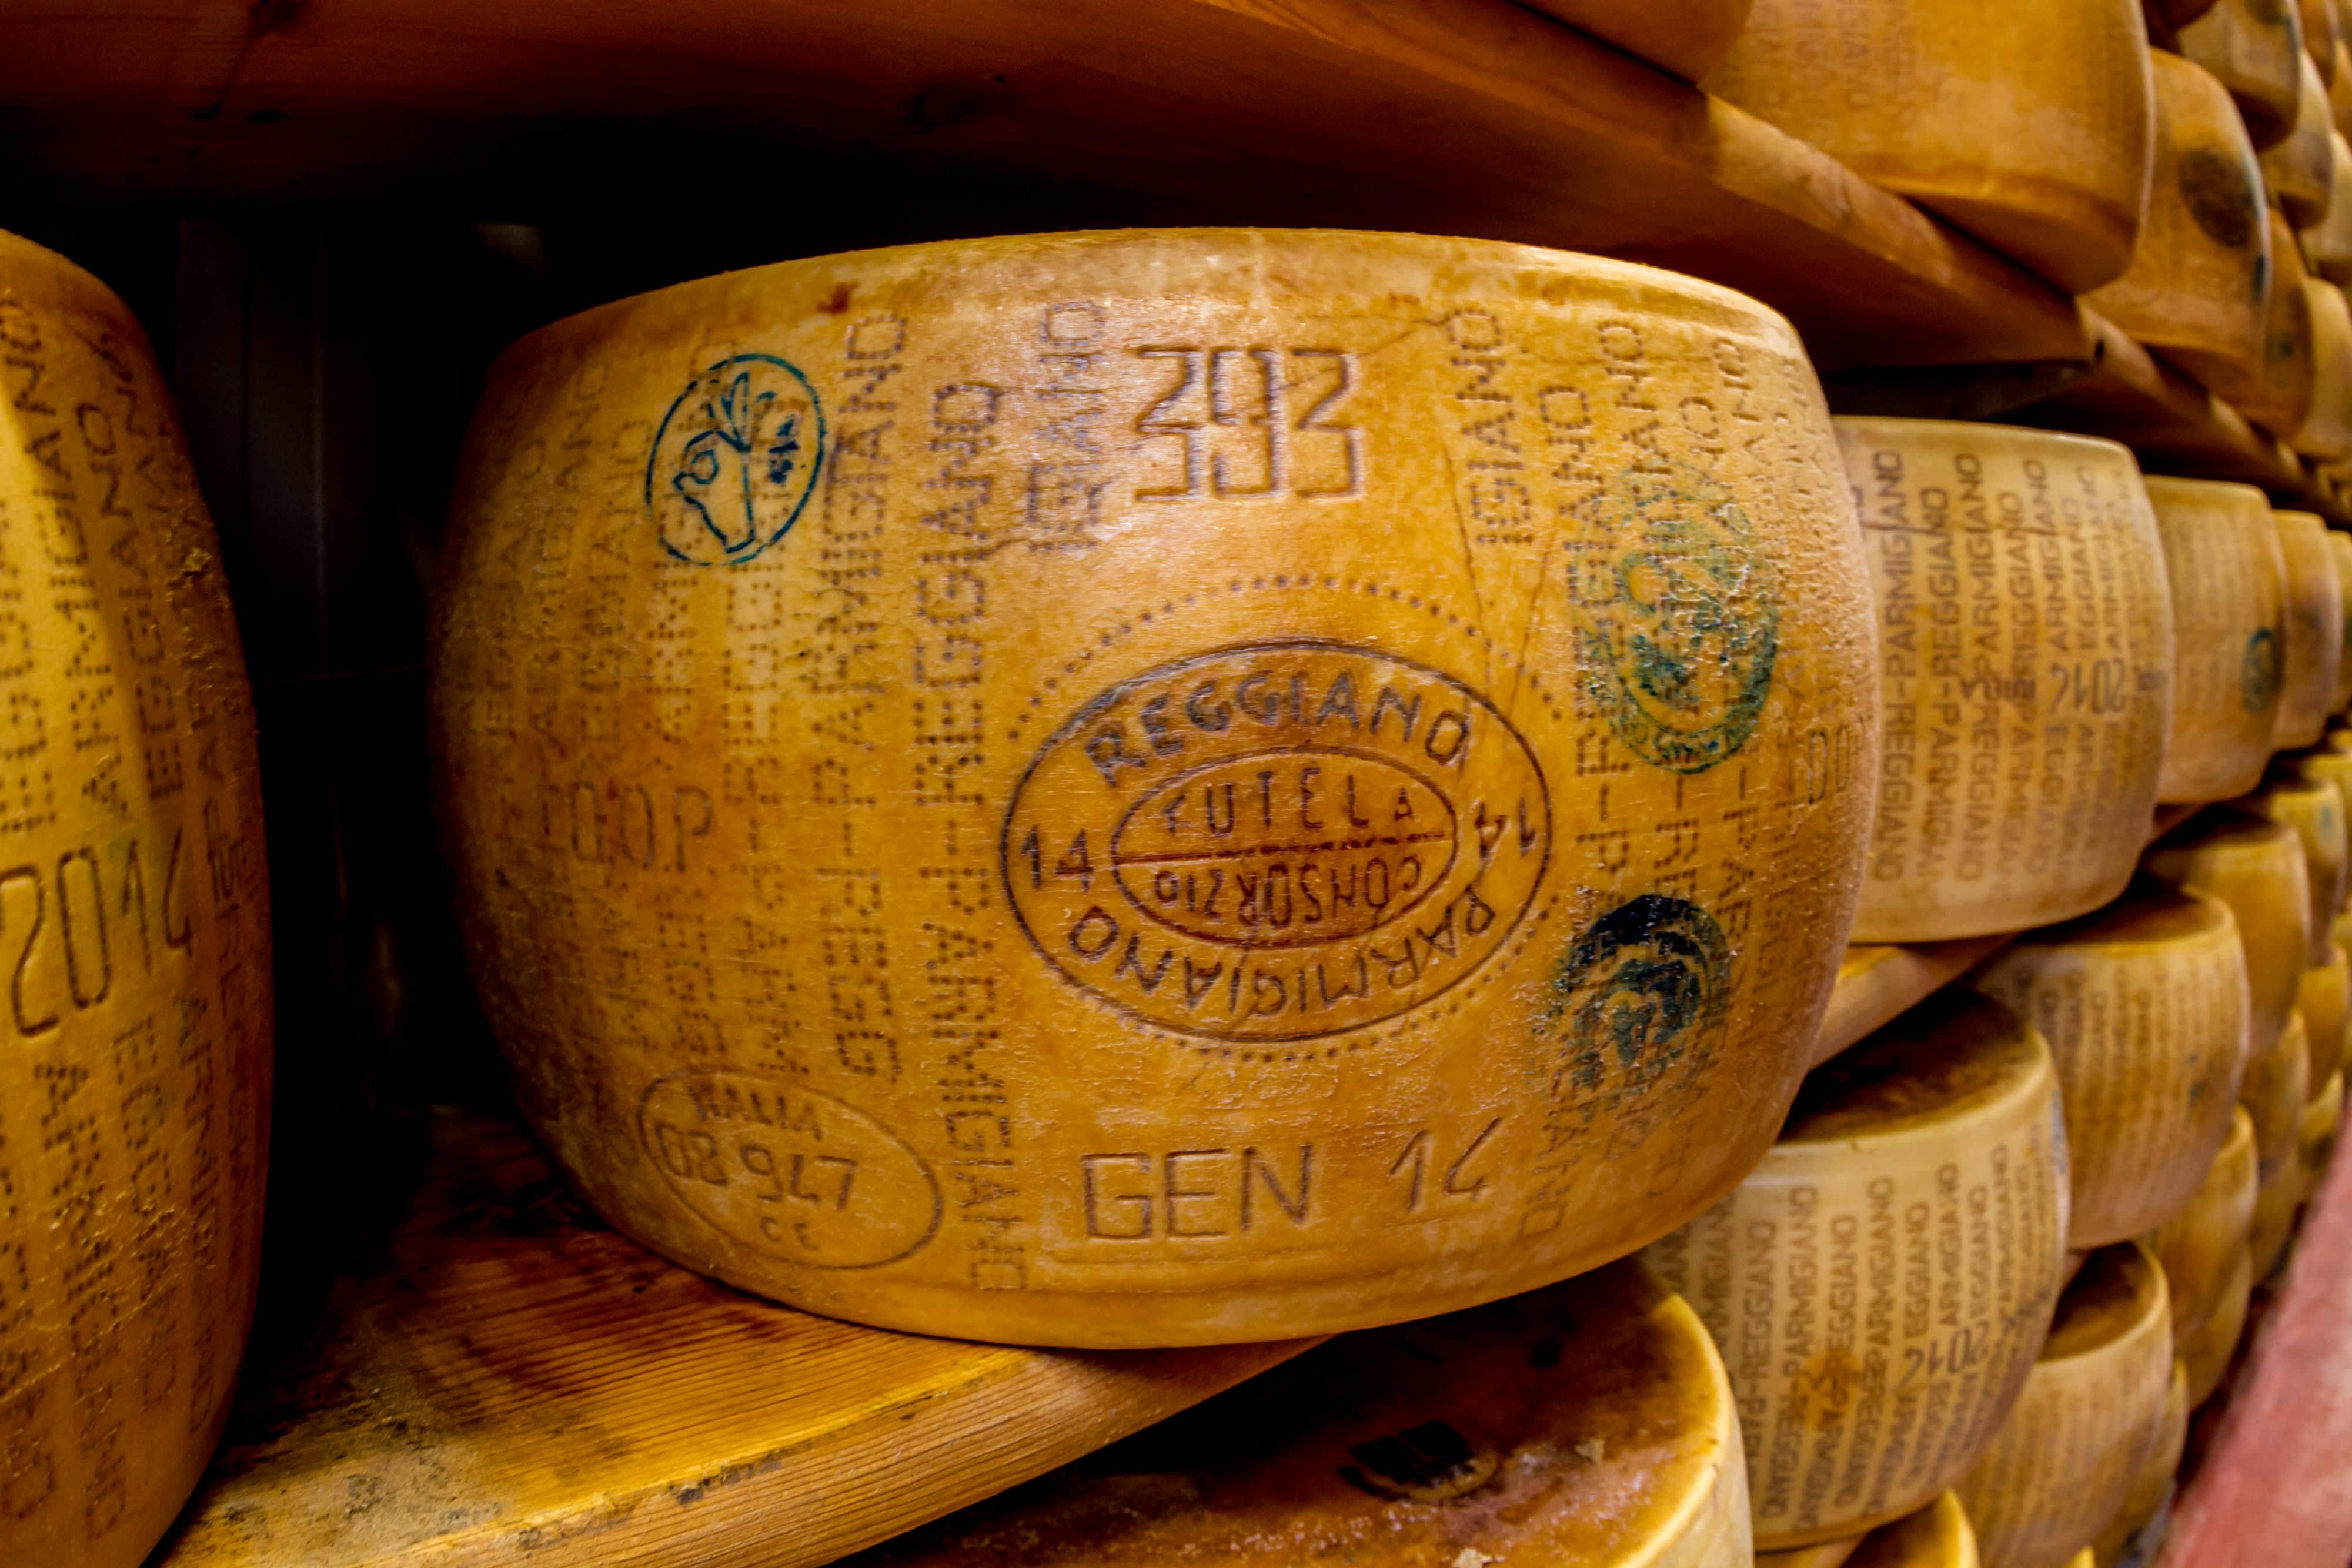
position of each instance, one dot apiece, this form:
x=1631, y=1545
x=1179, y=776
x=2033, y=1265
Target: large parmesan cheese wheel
x=2327, y=247
x=2314, y=629
x=2275, y=385
x=2144, y=1007
x=2254, y=48
x=2256, y=868
x=2202, y=1246
x=2323, y=999
x=2315, y=810
x=2036, y=135
x=1880, y=1282
x=2206, y=1348
x=2153, y=1486
x=2227, y=580
x=2025, y=652
x=2299, y=172
x=135, y=910
x=2199, y=277
x=2065, y=1461
x=2325, y=433
x=1937, y=1536
x=1686, y=36
x=1022, y=788
x=2276, y=1088
x=1589, y=1422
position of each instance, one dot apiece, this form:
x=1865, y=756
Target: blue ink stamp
x=1678, y=616
x=2259, y=675
x=735, y=461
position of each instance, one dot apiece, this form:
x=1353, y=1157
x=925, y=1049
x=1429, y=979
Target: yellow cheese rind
x=1688, y=37
x=1937, y=1536
x=1828, y=1555
x=2254, y=47
x=2154, y=1484
x=2228, y=582
x=2325, y=436
x=2339, y=544
x=2275, y=385
x=1943, y=1124
x=2036, y=136
x=135, y=1038
x=2144, y=1007
x=2324, y=1000
x=2200, y=1248
x=2066, y=1459
x=932, y=859
x=2314, y=629
x=2299, y=172
x=2329, y=246
x=2277, y=1086
x=2205, y=1349
x=2318, y=1130
x=2257, y=869
x=1588, y=1423
x=1993, y=755
x=2315, y=810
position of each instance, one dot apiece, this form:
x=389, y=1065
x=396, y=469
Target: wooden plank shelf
x=869, y=121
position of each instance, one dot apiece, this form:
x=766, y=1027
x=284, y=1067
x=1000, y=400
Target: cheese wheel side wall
x=2207, y=1348
x=134, y=1096
x=2228, y=581
x=2254, y=47
x=933, y=856
x=2315, y=810
x=2199, y=1248
x=2314, y=629
x=2257, y=869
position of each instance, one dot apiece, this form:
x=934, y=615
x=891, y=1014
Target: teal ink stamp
x=735, y=460
x=2258, y=673
x=1637, y=1001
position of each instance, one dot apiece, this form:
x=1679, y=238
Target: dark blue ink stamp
x=2259, y=673
x=1638, y=1001
x=735, y=460
x=1677, y=615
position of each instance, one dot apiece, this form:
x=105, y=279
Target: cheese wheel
x=2339, y=90
x=2325, y=433
x=2065, y=1461
x=1880, y=1282
x=2277, y=1086
x=2316, y=1133
x=2035, y=135
x=2315, y=810
x=1589, y=1422
x=2144, y=1007
x=1686, y=36
x=2025, y=649
x=1937, y=1536
x=134, y=903
x=2199, y=277
x=2325, y=1001
x=2257, y=869
x=2227, y=581
x=2324, y=763
x=2254, y=48
x=2321, y=34
x=1200, y=908
x=2327, y=246
x=2299, y=172
x=2207, y=1348
x=2274, y=386
x=2339, y=544
x=2314, y=629
x=2276, y=1206
x=2199, y=1248
x=2153, y=1487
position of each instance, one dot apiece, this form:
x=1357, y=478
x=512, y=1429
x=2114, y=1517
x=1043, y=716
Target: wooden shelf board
x=514, y=1383
x=849, y=122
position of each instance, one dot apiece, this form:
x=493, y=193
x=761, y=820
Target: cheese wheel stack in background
x=2313, y=642
x=2254, y=48
x=2152, y=1488
x=2199, y=1248
x=2227, y=578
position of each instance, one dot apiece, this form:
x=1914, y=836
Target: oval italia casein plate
x=1156, y=787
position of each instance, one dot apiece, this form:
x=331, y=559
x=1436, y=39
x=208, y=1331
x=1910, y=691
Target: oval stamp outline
x=785, y=1089
x=1108, y=700
x=741, y=437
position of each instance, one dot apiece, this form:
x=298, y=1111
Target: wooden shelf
x=860, y=121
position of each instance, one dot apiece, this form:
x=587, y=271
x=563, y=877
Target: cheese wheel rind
x=1937, y=1536
x=2206, y=1346
x=2199, y=1249
x=2256, y=868
x=2228, y=582
x=2314, y=807
x=2254, y=47
x=2313, y=642
x=2324, y=1000
x=2299, y=172
x=2276, y=1088
x=2154, y=1485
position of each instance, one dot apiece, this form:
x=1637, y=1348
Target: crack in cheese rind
x=2227, y=580
x=2257, y=869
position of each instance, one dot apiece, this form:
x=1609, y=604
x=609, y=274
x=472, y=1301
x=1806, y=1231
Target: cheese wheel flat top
x=2227, y=578
x=2275, y=385
x=2199, y=277
x=1937, y=1536
x=2277, y=1086
x=1688, y=37
x=135, y=1038
x=2206, y=1348
x=2025, y=653
x=2036, y=136
x=2074, y=1445
x=2199, y=1249
x=1155, y=794
x=1881, y=1282
x=2314, y=629
x=2314, y=807
x=2325, y=436
x=2144, y=1007
x=2327, y=246
x=2256, y=868
x=2154, y=1484
x=2253, y=47
x=1588, y=1423
x=2324, y=1000
x=2299, y=173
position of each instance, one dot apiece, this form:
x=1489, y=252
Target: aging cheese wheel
x=2277, y=1086
x=1686, y=36
x=2315, y=810
x=2257, y=869
x=2200, y=1247
x=2325, y=433
x=2065, y=1461
x=1937, y=1536
x=2299, y=173
x=2327, y=247
x=2322, y=32
x=2339, y=90
x=2201, y=275
x=1589, y=1422
x=2316, y=1133
x=2206, y=1349
x=2144, y=1007
x=1156, y=787
x=1880, y=1282
x=134, y=907
x=2325, y=1001
x=2314, y=629
x=2276, y=1205
x=2227, y=581
x=2153, y=1486
x=2276, y=384
x=2035, y=134
x=2339, y=544
x=2254, y=48
x=2025, y=652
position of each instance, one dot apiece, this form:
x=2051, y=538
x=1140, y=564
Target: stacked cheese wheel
x=1851, y=1280
x=2199, y=1248
x=2009, y=698
x=2087, y=1422
x=2257, y=869
x=2255, y=48
x=2227, y=578
x=1155, y=863
x=2314, y=638
x=1589, y=1423
x=1937, y=1536
x=2152, y=1488
x=134, y=1087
